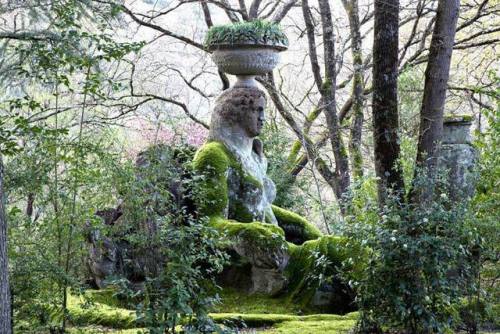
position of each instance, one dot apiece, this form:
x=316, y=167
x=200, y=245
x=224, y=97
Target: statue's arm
x=297, y=228
x=211, y=162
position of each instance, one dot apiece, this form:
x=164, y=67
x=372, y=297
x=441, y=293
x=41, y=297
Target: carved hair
x=232, y=105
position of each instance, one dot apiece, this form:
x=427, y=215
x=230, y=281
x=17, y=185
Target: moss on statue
x=263, y=242
x=305, y=265
x=261, y=234
x=297, y=229
x=213, y=160
x=212, y=157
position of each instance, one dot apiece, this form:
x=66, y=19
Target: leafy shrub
x=254, y=32
x=486, y=207
x=180, y=289
x=421, y=265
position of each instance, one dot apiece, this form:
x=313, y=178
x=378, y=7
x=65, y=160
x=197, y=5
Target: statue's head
x=239, y=108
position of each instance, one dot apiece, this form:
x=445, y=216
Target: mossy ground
x=259, y=313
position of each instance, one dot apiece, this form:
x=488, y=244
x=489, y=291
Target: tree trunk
x=5, y=311
x=385, y=98
x=436, y=81
x=329, y=108
x=432, y=110
x=352, y=10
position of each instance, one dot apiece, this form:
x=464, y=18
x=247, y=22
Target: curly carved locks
x=232, y=105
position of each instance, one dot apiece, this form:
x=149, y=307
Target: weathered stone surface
x=459, y=157
x=460, y=161
x=267, y=281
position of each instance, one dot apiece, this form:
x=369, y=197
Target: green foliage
x=255, y=32
x=420, y=265
x=410, y=88
x=288, y=193
x=186, y=248
x=46, y=222
x=486, y=208
x=185, y=288
x=331, y=260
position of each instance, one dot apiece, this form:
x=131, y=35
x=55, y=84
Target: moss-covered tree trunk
x=5, y=307
x=351, y=7
x=385, y=97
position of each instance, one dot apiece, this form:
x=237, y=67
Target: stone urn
x=246, y=50
x=247, y=61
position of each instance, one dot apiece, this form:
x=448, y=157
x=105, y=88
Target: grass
x=253, y=32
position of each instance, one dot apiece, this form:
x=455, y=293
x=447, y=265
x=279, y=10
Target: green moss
x=292, y=221
x=294, y=151
x=249, y=179
x=252, y=310
x=212, y=161
x=82, y=313
x=311, y=117
x=105, y=297
x=458, y=118
x=240, y=212
x=326, y=85
x=235, y=301
x=212, y=158
x=316, y=326
x=261, y=234
x=105, y=330
x=340, y=252
x=279, y=320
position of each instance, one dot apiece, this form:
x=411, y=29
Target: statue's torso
x=250, y=191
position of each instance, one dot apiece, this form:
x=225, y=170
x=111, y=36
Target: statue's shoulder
x=213, y=155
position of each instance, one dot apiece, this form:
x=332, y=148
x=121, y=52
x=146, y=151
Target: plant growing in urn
x=246, y=49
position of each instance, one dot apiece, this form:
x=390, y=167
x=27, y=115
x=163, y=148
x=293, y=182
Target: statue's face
x=254, y=119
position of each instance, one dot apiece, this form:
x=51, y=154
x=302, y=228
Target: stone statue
x=237, y=120
x=271, y=247
x=239, y=194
